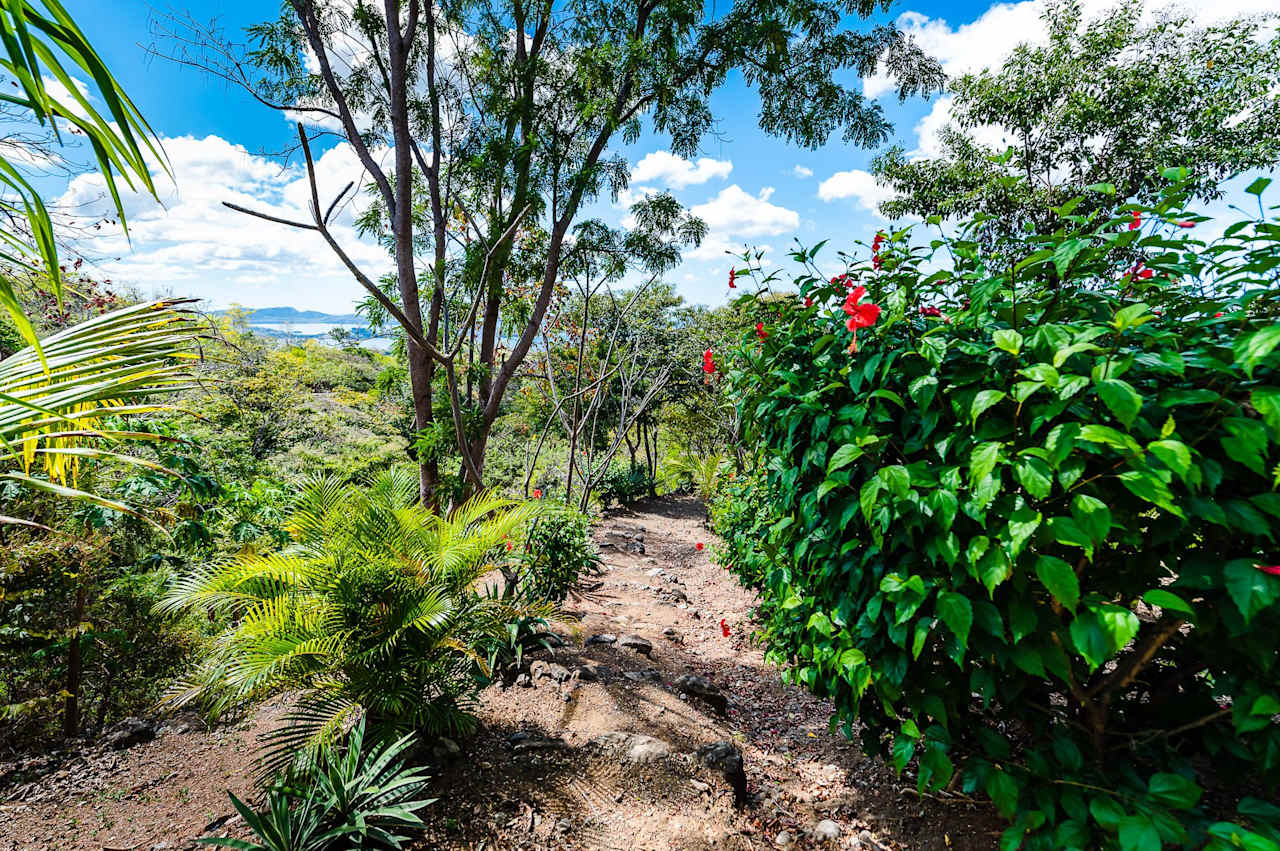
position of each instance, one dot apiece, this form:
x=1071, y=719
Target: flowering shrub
x=1021, y=532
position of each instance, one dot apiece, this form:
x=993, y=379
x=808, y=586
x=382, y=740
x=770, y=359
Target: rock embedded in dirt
x=525, y=742
x=605, y=638
x=826, y=831
x=637, y=643
x=725, y=758
x=445, y=750
x=550, y=670
x=649, y=676
x=129, y=732
x=783, y=839
x=705, y=690
x=524, y=681
x=636, y=748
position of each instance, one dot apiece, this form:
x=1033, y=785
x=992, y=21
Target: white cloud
x=735, y=213
x=802, y=172
x=677, y=172
x=929, y=128
x=987, y=41
x=190, y=244
x=856, y=184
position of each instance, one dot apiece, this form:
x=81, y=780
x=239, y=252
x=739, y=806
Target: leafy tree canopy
x=1109, y=101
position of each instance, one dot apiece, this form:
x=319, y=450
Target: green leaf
x=1102, y=188
x=1252, y=348
x=1060, y=579
x=1023, y=523
x=1137, y=833
x=1120, y=397
x=1246, y=442
x=1034, y=475
x=1110, y=437
x=1174, y=454
x=1131, y=316
x=983, y=459
x=984, y=400
x=1167, y=600
x=956, y=612
x=1009, y=340
x=1173, y=790
x=1092, y=516
x=844, y=456
x=1003, y=791
x=1106, y=812
x=1147, y=486
x=1258, y=186
x=1067, y=251
x=1250, y=589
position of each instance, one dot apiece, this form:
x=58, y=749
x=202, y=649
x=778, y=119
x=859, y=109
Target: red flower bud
x=708, y=365
x=1137, y=220
x=732, y=273
x=698, y=546
x=1272, y=569
x=760, y=332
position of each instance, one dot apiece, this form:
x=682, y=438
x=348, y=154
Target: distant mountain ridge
x=292, y=314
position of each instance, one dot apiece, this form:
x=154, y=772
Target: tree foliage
x=1113, y=100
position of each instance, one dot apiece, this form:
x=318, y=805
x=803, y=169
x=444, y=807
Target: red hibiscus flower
x=698, y=546
x=1137, y=220
x=860, y=315
x=724, y=628
x=732, y=274
x=537, y=493
x=1272, y=569
x=760, y=332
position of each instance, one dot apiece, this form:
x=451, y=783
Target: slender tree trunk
x=75, y=665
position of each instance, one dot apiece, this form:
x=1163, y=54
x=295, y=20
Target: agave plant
x=375, y=608
x=360, y=795
x=40, y=42
x=60, y=406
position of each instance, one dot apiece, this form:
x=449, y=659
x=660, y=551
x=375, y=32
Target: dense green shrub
x=625, y=483
x=556, y=552
x=1014, y=529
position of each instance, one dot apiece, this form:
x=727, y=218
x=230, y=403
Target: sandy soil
x=566, y=764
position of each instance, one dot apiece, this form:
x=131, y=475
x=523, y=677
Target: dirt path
x=596, y=749
x=600, y=790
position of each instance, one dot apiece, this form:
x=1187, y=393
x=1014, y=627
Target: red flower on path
x=708, y=365
x=724, y=628
x=1137, y=220
x=537, y=493
x=1273, y=569
x=732, y=274
x=698, y=546
x=760, y=332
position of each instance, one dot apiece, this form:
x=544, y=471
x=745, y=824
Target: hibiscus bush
x=1022, y=527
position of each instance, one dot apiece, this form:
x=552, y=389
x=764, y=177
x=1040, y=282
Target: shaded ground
x=583, y=784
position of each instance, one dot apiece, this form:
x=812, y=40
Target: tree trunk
x=75, y=664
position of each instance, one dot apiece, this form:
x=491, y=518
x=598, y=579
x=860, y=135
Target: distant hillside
x=292, y=314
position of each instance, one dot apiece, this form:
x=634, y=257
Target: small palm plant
x=375, y=608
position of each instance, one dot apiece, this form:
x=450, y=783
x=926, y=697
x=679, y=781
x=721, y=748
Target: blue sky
x=749, y=188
